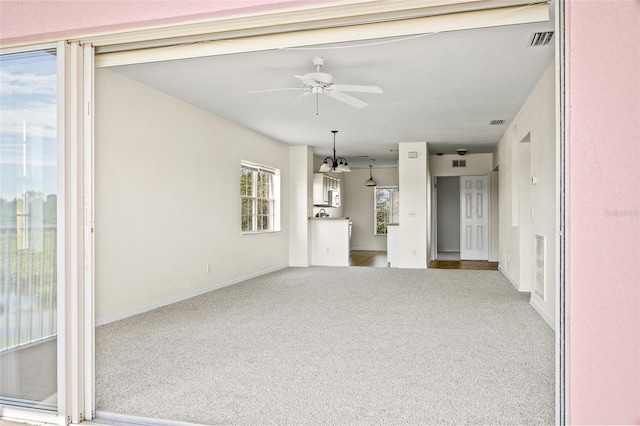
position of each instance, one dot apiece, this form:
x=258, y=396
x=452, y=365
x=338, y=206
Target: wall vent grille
x=540, y=260
x=541, y=38
x=459, y=163
x=496, y=122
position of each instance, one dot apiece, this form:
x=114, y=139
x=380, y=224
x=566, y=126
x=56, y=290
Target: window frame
x=375, y=209
x=269, y=201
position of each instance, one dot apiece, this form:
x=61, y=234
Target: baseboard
x=103, y=417
x=510, y=278
x=180, y=298
x=542, y=313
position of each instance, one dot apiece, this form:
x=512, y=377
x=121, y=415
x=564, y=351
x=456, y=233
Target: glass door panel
x=28, y=229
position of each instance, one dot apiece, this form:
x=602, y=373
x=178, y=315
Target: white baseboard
x=180, y=298
x=124, y=419
x=536, y=305
x=510, y=278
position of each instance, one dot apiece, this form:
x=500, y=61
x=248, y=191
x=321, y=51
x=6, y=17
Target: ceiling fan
x=316, y=83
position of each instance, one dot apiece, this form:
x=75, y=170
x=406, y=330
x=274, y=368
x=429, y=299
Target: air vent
x=540, y=260
x=541, y=39
x=496, y=122
x=459, y=163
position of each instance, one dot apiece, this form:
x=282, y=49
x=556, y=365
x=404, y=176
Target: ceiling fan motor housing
x=321, y=77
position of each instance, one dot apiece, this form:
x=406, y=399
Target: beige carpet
x=336, y=346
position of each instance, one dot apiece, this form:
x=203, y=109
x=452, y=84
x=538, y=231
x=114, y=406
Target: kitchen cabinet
x=326, y=190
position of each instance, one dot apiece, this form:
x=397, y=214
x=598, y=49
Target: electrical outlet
x=328, y=250
x=415, y=252
x=208, y=268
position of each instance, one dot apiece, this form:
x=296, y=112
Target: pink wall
x=38, y=20
x=603, y=138
x=603, y=122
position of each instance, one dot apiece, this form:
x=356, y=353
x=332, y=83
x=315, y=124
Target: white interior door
x=474, y=218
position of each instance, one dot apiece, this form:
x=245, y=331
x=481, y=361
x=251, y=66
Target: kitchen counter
x=328, y=218
x=330, y=241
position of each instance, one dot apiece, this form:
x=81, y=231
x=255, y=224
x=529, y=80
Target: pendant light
x=336, y=164
x=370, y=182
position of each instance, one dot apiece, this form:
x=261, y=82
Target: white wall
x=300, y=204
x=359, y=205
x=415, y=211
x=537, y=118
x=167, y=199
x=477, y=164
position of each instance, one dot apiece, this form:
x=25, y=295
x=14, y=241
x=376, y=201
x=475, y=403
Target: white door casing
x=474, y=218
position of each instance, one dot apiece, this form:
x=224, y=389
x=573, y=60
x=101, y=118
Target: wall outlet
x=415, y=252
x=328, y=250
x=208, y=268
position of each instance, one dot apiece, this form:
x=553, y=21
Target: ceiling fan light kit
x=318, y=83
x=335, y=164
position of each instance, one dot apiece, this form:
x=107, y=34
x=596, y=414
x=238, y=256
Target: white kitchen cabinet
x=326, y=190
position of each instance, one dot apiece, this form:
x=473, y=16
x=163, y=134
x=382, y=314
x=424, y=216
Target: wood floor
x=477, y=265
x=375, y=259
x=378, y=259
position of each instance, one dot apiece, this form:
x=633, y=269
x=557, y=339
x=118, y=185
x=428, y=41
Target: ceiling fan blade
x=297, y=100
x=306, y=80
x=355, y=88
x=276, y=90
x=347, y=99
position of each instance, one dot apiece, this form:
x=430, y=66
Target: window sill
x=259, y=232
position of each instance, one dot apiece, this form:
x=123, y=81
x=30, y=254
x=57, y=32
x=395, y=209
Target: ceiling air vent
x=496, y=122
x=541, y=39
x=459, y=163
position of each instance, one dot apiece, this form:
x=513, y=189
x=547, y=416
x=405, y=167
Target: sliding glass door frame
x=74, y=150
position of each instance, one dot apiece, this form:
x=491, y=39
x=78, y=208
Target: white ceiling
x=442, y=88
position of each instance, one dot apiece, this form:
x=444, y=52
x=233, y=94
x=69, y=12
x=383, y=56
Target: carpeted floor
x=327, y=345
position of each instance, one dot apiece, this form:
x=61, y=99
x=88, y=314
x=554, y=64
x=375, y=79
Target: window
x=260, y=194
x=384, y=208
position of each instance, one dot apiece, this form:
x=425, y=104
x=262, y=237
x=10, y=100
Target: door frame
x=434, y=210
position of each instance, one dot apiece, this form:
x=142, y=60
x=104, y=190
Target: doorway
x=462, y=218
x=448, y=218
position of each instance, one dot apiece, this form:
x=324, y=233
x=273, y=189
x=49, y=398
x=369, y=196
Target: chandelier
x=336, y=164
